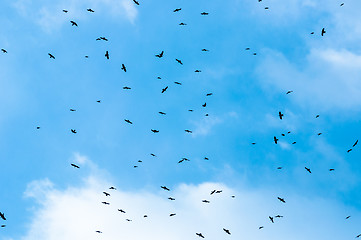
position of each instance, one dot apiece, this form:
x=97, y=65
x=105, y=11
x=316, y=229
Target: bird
x=106, y=203
x=162, y=113
x=2, y=226
x=74, y=23
x=317, y=116
x=227, y=231
x=98, y=101
x=179, y=61
x=358, y=236
x=160, y=54
x=197, y=71
x=153, y=155
x=209, y=94
x=266, y=8
x=172, y=199
x=331, y=169
x=205, y=201
x=72, y=110
x=204, y=13
x=294, y=143
x=124, y=68
x=312, y=33
x=74, y=165
x=219, y=191
x=308, y=170
x=278, y=216
x=260, y=227
x=355, y=143
x=280, y=115
x=2, y=215
x=98, y=231
x=318, y=134
x=136, y=2
x=288, y=92
x=188, y=131
x=323, y=31
x=126, y=88
x=281, y=199
x=164, y=89
x=37, y=127
x=121, y=210
x=204, y=105
x=205, y=158
x=112, y=188
x=128, y=121
x=275, y=139
x=145, y=216
x=90, y=10
x=165, y=188
x=178, y=83
x=172, y=214
x=106, y=54
x=129, y=220
x=3, y=50
x=200, y=235
x=73, y=130
x=51, y=55
x=106, y=194
x=190, y=110
x=212, y=192
x=247, y=49
x=279, y=168
x=182, y=24
x=342, y=4
x=348, y=217
x=271, y=218
x=349, y=150
x=177, y=9
x=155, y=131
x=65, y=10
x=205, y=50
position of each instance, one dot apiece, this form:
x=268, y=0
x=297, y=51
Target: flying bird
x=227, y=231
x=355, y=143
x=271, y=219
x=98, y=231
x=74, y=23
x=2, y=215
x=121, y=210
x=278, y=216
x=155, y=131
x=205, y=201
x=212, y=192
x=348, y=217
x=3, y=50
x=280, y=115
x=288, y=92
x=275, y=139
x=51, y=55
x=124, y=68
x=209, y=94
x=128, y=121
x=153, y=155
x=72, y=110
x=165, y=188
x=349, y=150
x=188, y=131
x=204, y=105
x=162, y=113
x=308, y=170
x=200, y=235
x=107, y=54
x=164, y=89
x=74, y=165
x=260, y=227
x=160, y=54
x=172, y=199
x=65, y=11
x=178, y=83
x=73, y=130
x=323, y=31
x=317, y=116
x=281, y=199
x=205, y=50
x=126, y=88
x=136, y=2
x=106, y=194
x=204, y=13
x=172, y=214
x=177, y=9
x=106, y=203
x=179, y=61
x=90, y=10
x=112, y=188
x=182, y=24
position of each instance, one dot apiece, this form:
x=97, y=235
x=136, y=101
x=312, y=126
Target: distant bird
x=209, y=94
x=355, y=143
x=179, y=61
x=74, y=23
x=233, y=196
x=3, y=50
x=153, y=155
x=72, y=110
x=121, y=210
x=190, y=110
x=279, y=216
x=101, y=38
x=37, y=127
x=200, y=235
x=2, y=215
x=358, y=236
x=172, y=199
x=308, y=170
x=65, y=11
x=74, y=165
x=247, y=49
x=172, y=214
x=288, y=92
x=212, y=192
x=342, y=4
x=205, y=50
x=294, y=143
x=106, y=54
x=90, y=10
x=73, y=130
x=160, y=54
x=331, y=169
x=204, y=13
x=128, y=121
x=178, y=83
x=159, y=78
x=2, y=226
x=227, y=231
x=317, y=116
x=283, y=134
x=165, y=188
x=51, y=55
x=182, y=24
x=280, y=115
x=98, y=101
x=204, y=105
x=323, y=31
x=106, y=194
x=260, y=227
x=98, y=231
x=136, y=2
x=162, y=113
x=318, y=134
x=271, y=219
x=205, y=158
x=126, y=88
x=177, y=9
x=275, y=139
x=106, y=203
x=124, y=68
x=128, y=220
x=253, y=143
x=112, y=188
x=348, y=217
x=266, y=8
x=164, y=89
x=155, y=131
x=145, y=216
x=312, y=33
x=349, y=150
x=279, y=168
x=281, y=199
x=205, y=201
x=188, y=131
x=197, y=71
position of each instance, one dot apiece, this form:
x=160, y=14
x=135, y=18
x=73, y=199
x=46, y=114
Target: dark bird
x=188, y=131
x=205, y=50
x=2, y=215
x=247, y=49
x=294, y=143
x=65, y=11
x=90, y=10
x=348, y=217
x=190, y=110
x=155, y=131
x=213, y=191
x=323, y=31
x=177, y=9
x=106, y=54
x=172, y=199
x=112, y=188
x=283, y=134
x=182, y=24
x=106, y=203
x=74, y=23
x=331, y=169
x=342, y=4
x=98, y=231
x=308, y=170
x=219, y=191
x=162, y=113
x=204, y=13
x=159, y=78
x=74, y=165
x=358, y=236
x=205, y=158
x=153, y=155
x=3, y=50
x=260, y=227
x=278, y=216
x=233, y=196
x=165, y=188
x=121, y=210
x=51, y=55
x=2, y=226
x=160, y=54
x=124, y=68
x=266, y=8
x=200, y=235
x=227, y=231
x=128, y=220
x=271, y=218
x=72, y=110
x=205, y=201
x=37, y=127
x=197, y=71
x=145, y=216
x=349, y=150
x=178, y=83
x=253, y=143
x=126, y=88
x=275, y=139
x=128, y=121
x=312, y=33
x=73, y=130
x=279, y=168
x=355, y=143
x=172, y=214
x=209, y=94
x=179, y=61
x=318, y=134
x=281, y=199
x=317, y=116
x=106, y=194
x=98, y=101
x=280, y=115
x=136, y=2
x=204, y=105
x=288, y=92
x=164, y=89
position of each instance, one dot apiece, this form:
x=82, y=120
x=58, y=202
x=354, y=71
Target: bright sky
x=255, y=56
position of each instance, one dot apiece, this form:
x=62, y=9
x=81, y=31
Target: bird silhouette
x=124, y=68
x=106, y=194
x=155, y=131
x=260, y=227
x=106, y=203
x=271, y=219
x=74, y=165
x=106, y=54
x=227, y=231
x=2, y=215
x=177, y=9
x=355, y=143
x=209, y=94
x=90, y=10
x=204, y=105
x=288, y=92
x=182, y=24
x=153, y=155
x=65, y=11
x=73, y=23
x=162, y=113
x=205, y=201
x=200, y=235
x=172, y=214
x=128, y=121
x=51, y=55
x=323, y=31
x=172, y=199
x=349, y=150
x=112, y=188
x=126, y=88
x=275, y=139
x=279, y=216
x=121, y=210
x=280, y=115
x=73, y=131
x=204, y=13
x=348, y=217
x=331, y=169
x=179, y=61
x=164, y=89
x=72, y=110
x=136, y=2
x=178, y=83
x=188, y=131
x=205, y=50
x=281, y=199
x=3, y=50
x=165, y=188
x=197, y=71
x=98, y=231
x=317, y=116
x=308, y=170
x=160, y=55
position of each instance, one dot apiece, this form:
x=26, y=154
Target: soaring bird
x=74, y=23
x=280, y=115
x=106, y=194
x=281, y=199
x=165, y=188
x=162, y=113
x=349, y=150
x=65, y=10
x=275, y=139
x=172, y=214
x=106, y=54
x=73, y=130
x=331, y=169
x=129, y=220
x=3, y=50
x=204, y=13
x=121, y=210
x=317, y=116
x=160, y=54
x=153, y=155
x=2, y=226
x=182, y=24
x=227, y=231
x=205, y=50
x=342, y=4
x=188, y=131
x=124, y=68
x=205, y=158
x=271, y=219
x=260, y=227
x=348, y=217
x=355, y=143
x=213, y=191
x=98, y=231
x=106, y=203
x=172, y=199
x=308, y=170
x=136, y=2
x=197, y=71
x=128, y=121
x=323, y=31
x=358, y=236
x=74, y=165
x=51, y=55
x=178, y=83
x=288, y=92
x=204, y=105
x=72, y=110
x=179, y=61
x=112, y=188
x=2, y=215
x=126, y=88
x=155, y=131
x=278, y=216
x=90, y=10
x=164, y=89
x=209, y=94
x=205, y=201
x=200, y=235
x=177, y=9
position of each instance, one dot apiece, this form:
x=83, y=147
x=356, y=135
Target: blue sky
x=41, y=192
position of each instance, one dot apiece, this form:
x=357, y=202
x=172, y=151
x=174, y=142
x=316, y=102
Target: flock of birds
x=163, y=90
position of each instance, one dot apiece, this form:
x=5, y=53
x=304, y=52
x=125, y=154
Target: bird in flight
x=227, y=231
x=124, y=68
x=355, y=143
x=106, y=203
x=155, y=131
x=128, y=121
x=281, y=199
x=205, y=50
x=101, y=38
x=188, y=131
x=72, y=110
x=74, y=165
x=209, y=94
x=73, y=23
x=65, y=10
x=280, y=115
x=2, y=215
x=205, y=201
x=172, y=214
x=275, y=139
x=126, y=88
x=182, y=24
x=160, y=54
x=164, y=89
x=107, y=54
x=204, y=105
x=73, y=130
x=288, y=92
x=271, y=219
x=112, y=188
x=3, y=50
x=106, y=194
x=200, y=235
x=348, y=217
x=349, y=150
x=278, y=216
x=204, y=13
x=177, y=9
x=179, y=61
x=136, y=2
x=172, y=199
x=162, y=113
x=90, y=10
x=358, y=236
x=260, y=227
x=308, y=170
x=165, y=188
x=178, y=83
x=323, y=31
x=121, y=210
x=51, y=55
